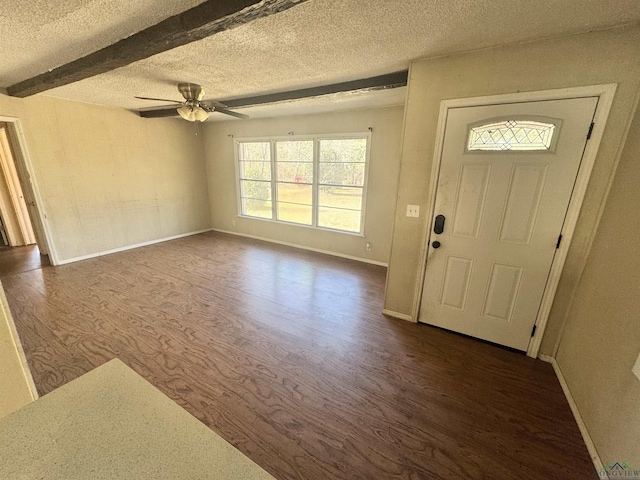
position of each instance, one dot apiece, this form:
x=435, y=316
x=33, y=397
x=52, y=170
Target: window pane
x=255, y=152
x=294, y=151
x=291, y=212
x=511, y=135
x=342, y=173
x=256, y=208
x=255, y=170
x=295, y=172
x=257, y=190
x=292, y=193
x=341, y=197
x=343, y=150
x=348, y=220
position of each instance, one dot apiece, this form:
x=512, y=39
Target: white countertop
x=112, y=424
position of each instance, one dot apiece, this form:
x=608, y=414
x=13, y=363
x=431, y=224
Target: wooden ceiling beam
x=204, y=20
x=381, y=82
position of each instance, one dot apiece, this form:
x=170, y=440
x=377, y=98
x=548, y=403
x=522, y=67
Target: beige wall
x=382, y=184
x=16, y=385
x=110, y=179
x=595, y=58
x=601, y=340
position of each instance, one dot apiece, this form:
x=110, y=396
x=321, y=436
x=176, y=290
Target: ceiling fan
x=193, y=108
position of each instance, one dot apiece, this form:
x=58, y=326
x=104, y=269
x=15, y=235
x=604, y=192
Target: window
x=294, y=184
x=341, y=183
x=255, y=179
x=511, y=134
x=317, y=182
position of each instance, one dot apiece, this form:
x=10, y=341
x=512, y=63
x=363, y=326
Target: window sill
x=308, y=227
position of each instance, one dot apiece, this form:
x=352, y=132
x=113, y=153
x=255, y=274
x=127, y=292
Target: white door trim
x=605, y=94
x=24, y=157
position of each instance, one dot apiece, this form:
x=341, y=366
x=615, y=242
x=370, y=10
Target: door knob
x=436, y=244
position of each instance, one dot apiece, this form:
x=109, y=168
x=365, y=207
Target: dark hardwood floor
x=21, y=259
x=286, y=355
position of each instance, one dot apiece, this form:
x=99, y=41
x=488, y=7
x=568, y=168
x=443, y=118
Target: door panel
x=504, y=283
x=523, y=201
x=470, y=200
x=456, y=282
x=504, y=211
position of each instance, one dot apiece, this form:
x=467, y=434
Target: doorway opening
x=23, y=242
x=16, y=228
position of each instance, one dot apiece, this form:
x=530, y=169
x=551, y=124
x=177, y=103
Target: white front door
x=506, y=177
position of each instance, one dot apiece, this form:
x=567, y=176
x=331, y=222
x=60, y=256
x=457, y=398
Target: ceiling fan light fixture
x=200, y=114
x=187, y=113
x=192, y=109
x=193, y=113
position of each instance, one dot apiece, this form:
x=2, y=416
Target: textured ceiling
x=38, y=35
x=315, y=43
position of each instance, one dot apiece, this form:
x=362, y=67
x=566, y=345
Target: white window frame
x=315, y=184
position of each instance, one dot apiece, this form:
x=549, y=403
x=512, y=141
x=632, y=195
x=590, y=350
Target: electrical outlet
x=413, y=211
x=367, y=246
x=636, y=368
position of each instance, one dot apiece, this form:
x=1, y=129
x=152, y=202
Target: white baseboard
x=595, y=458
x=401, y=316
x=130, y=247
x=304, y=247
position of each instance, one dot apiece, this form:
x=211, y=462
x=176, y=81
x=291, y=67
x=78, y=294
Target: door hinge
x=533, y=330
x=590, y=130
x=559, y=240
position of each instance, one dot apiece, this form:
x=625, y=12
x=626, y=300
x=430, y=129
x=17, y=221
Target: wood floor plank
x=286, y=354
x=21, y=259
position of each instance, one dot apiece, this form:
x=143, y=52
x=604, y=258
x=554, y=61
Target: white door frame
x=22, y=156
x=605, y=94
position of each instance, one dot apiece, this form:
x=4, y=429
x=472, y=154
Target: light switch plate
x=413, y=211
x=636, y=368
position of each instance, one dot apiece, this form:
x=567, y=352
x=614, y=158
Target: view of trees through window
x=255, y=179
x=294, y=164
x=341, y=182
x=315, y=182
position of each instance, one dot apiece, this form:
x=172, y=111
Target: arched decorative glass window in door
x=511, y=134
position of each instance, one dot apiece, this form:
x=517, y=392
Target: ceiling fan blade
x=159, y=112
x=213, y=104
x=229, y=112
x=158, y=99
